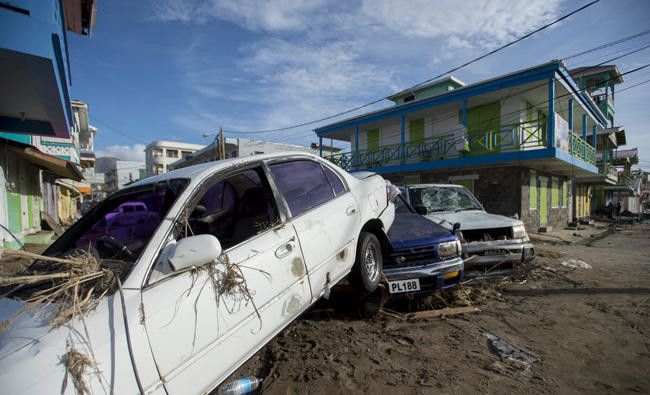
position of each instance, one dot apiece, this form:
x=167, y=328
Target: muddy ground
x=588, y=327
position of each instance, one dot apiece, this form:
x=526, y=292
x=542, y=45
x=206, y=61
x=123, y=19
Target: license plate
x=400, y=286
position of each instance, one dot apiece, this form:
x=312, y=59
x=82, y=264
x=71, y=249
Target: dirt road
x=588, y=327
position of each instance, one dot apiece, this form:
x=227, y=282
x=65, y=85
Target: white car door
x=325, y=216
x=203, y=323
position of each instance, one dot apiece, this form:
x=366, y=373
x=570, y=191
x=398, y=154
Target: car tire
x=368, y=265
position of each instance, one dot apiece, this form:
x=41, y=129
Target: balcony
x=510, y=138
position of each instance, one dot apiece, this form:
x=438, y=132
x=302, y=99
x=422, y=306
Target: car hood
x=415, y=229
x=473, y=219
x=26, y=330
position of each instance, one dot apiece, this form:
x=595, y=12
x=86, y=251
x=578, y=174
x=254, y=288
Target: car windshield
x=121, y=226
x=443, y=198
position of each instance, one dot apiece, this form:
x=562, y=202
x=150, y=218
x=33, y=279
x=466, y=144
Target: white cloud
x=316, y=58
x=123, y=152
x=274, y=15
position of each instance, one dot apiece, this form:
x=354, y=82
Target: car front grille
x=487, y=234
x=413, y=256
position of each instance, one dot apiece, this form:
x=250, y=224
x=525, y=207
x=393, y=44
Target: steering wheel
x=114, y=244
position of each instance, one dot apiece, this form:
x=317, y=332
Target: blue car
x=425, y=256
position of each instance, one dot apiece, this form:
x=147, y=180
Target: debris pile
x=59, y=287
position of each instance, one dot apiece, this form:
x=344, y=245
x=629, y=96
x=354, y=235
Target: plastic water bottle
x=241, y=386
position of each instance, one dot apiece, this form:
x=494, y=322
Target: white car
x=293, y=225
x=495, y=241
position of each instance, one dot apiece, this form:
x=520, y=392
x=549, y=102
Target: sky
x=175, y=70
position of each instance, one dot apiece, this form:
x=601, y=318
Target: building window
x=185, y=153
x=157, y=153
x=172, y=153
x=409, y=98
x=554, y=193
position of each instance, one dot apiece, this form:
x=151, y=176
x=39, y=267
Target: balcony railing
x=581, y=149
x=513, y=137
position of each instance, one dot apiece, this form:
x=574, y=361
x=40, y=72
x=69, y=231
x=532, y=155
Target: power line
x=395, y=131
x=436, y=77
x=117, y=131
x=608, y=45
x=619, y=41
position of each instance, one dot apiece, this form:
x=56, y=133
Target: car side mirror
x=420, y=209
x=456, y=227
x=195, y=251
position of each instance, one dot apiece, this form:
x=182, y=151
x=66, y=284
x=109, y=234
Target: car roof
x=198, y=172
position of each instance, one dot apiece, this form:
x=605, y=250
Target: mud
x=587, y=327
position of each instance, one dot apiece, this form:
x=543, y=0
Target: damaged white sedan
x=229, y=254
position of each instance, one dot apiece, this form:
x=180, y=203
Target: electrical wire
x=394, y=132
x=630, y=51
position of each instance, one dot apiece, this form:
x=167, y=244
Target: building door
x=543, y=207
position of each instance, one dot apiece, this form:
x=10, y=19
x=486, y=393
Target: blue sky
x=173, y=70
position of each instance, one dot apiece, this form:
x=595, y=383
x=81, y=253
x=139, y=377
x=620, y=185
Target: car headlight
x=448, y=248
x=518, y=232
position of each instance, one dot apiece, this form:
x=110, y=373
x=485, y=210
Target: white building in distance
x=160, y=154
x=240, y=147
x=119, y=173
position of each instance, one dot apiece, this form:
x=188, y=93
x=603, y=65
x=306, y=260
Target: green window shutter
x=533, y=190
x=564, y=193
x=554, y=193
x=373, y=139
x=416, y=130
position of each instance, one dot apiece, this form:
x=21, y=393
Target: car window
x=303, y=184
x=234, y=209
x=336, y=182
x=442, y=198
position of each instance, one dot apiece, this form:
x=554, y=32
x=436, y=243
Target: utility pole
x=222, y=148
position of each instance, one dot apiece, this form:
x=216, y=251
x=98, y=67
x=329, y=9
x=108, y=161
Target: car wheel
x=368, y=265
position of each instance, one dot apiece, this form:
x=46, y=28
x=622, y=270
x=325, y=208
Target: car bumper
x=493, y=253
x=431, y=276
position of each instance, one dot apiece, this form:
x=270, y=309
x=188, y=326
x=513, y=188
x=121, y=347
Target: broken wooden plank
x=445, y=311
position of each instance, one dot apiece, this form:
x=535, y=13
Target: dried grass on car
x=61, y=288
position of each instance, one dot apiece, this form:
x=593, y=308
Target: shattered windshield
x=441, y=198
